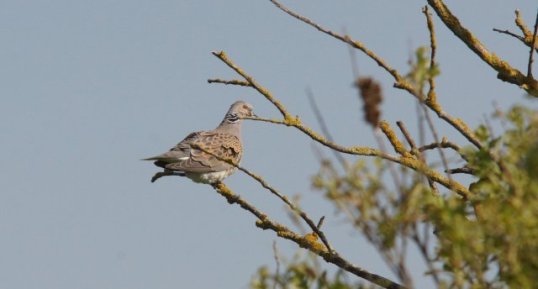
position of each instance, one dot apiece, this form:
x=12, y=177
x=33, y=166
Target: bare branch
x=415, y=151
x=320, y=222
x=288, y=120
x=232, y=82
x=407, y=136
x=411, y=163
x=264, y=184
x=393, y=139
x=462, y=170
x=354, y=150
x=222, y=56
x=508, y=32
x=527, y=34
x=355, y=44
x=400, y=81
x=504, y=70
x=282, y=231
x=436, y=138
x=433, y=49
x=443, y=144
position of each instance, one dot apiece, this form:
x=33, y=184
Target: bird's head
x=238, y=111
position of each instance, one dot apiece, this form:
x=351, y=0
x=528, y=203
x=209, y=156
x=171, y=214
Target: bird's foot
x=159, y=175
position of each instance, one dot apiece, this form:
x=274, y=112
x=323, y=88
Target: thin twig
x=320, y=222
x=282, y=197
x=289, y=120
x=520, y=38
x=354, y=63
x=222, y=56
x=433, y=49
x=415, y=151
x=411, y=163
x=400, y=81
x=277, y=262
x=346, y=39
x=407, y=136
x=423, y=248
x=443, y=144
x=504, y=70
x=353, y=150
x=527, y=34
x=531, y=53
x=323, y=125
x=508, y=32
x=462, y=170
x=282, y=231
x=369, y=93
x=232, y=82
x=392, y=170
x=429, y=121
x=431, y=97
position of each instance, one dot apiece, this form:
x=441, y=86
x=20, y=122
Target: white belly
x=210, y=178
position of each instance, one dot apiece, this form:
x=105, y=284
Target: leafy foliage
x=486, y=237
x=485, y=242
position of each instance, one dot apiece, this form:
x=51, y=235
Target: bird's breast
x=210, y=178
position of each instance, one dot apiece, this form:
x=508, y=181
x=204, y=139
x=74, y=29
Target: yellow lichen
x=398, y=146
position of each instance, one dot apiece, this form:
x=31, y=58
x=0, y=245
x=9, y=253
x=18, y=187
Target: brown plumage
x=197, y=156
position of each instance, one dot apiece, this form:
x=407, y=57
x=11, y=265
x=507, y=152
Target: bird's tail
x=150, y=159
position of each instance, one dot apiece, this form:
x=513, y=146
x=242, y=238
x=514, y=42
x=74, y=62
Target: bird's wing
x=178, y=152
x=186, y=157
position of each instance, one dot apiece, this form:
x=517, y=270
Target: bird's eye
x=245, y=106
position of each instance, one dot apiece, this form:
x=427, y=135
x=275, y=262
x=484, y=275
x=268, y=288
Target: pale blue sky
x=90, y=87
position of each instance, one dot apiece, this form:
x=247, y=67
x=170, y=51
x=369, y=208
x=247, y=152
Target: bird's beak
x=252, y=114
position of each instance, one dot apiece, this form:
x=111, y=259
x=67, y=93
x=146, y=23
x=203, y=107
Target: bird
x=197, y=155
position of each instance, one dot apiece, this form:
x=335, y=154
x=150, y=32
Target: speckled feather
x=183, y=157
x=224, y=142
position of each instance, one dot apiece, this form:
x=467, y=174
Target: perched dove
x=194, y=157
